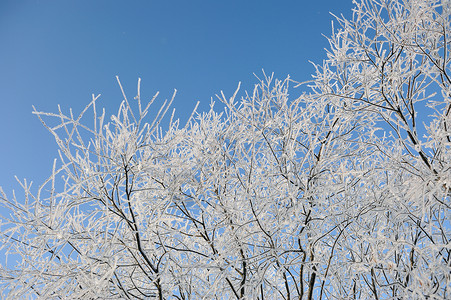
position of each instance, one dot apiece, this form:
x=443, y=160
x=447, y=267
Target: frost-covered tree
x=341, y=192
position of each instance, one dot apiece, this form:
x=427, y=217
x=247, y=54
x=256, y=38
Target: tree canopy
x=339, y=192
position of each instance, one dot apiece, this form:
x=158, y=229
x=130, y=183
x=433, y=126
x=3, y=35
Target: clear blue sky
x=61, y=52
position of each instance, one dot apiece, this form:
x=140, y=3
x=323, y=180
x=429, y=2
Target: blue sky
x=61, y=52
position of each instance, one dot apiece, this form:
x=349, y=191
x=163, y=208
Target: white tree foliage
x=340, y=193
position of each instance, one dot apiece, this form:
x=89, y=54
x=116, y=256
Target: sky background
x=62, y=52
